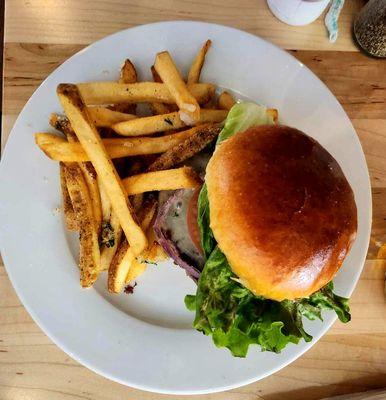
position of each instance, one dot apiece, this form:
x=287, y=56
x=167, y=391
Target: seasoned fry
x=124, y=257
x=98, y=93
x=119, y=267
x=89, y=256
x=57, y=148
x=68, y=209
x=188, y=106
x=226, y=101
x=93, y=145
x=170, y=179
x=274, y=114
x=186, y=149
x=195, y=69
x=128, y=73
x=63, y=124
x=105, y=118
x=162, y=123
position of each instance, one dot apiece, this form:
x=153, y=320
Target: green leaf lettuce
x=236, y=318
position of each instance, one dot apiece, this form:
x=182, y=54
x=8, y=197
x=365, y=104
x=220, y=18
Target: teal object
x=331, y=19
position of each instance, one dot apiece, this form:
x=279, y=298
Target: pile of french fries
x=112, y=161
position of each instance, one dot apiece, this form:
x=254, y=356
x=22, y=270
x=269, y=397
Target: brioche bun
x=281, y=211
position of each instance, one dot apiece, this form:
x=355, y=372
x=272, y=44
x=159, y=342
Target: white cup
x=297, y=12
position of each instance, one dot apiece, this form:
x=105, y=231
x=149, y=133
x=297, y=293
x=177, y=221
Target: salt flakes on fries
x=100, y=129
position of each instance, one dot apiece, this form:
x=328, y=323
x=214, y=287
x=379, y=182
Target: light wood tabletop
x=39, y=35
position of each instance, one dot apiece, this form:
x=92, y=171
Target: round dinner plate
x=145, y=339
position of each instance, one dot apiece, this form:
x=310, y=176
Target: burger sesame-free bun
x=281, y=211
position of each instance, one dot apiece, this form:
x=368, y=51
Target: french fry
x=63, y=124
x=226, y=101
x=105, y=202
x=128, y=73
x=138, y=265
x=89, y=256
x=186, y=149
x=119, y=267
x=195, y=69
x=90, y=140
x=124, y=257
x=136, y=269
x=57, y=148
x=154, y=253
x=107, y=236
x=111, y=239
x=90, y=176
x=99, y=93
x=158, y=108
x=105, y=118
x=274, y=114
x=188, y=106
x=170, y=179
x=156, y=77
x=68, y=209
x=163, y=123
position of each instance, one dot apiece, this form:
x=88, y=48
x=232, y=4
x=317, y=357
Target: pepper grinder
x=370, y=28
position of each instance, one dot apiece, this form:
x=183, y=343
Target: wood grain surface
x=40, y=35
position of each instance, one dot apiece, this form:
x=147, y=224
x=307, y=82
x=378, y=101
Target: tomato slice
x=191, y=220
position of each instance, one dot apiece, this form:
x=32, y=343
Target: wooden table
x=40, y=35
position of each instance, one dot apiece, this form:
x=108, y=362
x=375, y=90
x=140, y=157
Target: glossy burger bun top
x=281, y=210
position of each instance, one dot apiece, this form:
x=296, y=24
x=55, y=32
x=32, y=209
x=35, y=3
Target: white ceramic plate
x=144, y=340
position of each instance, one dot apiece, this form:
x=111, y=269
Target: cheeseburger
x=265, y=234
